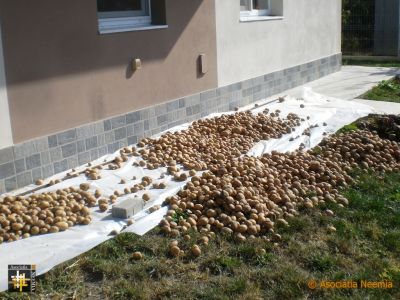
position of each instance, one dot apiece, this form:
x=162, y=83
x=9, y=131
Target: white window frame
x=255, y=12
x=121, y=21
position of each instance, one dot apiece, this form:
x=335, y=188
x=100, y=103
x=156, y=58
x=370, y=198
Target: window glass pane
x=119, y=5
x=244, y=5
x=260, y=4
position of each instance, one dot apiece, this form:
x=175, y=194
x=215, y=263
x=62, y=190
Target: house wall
x=23, y=163
x=5, y=125
x=73, y=98
x=309, y=30
x=61, y=73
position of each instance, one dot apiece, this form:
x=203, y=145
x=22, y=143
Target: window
x=254, y=8
x=124, y=15
x=126, y=8
x=261, y=10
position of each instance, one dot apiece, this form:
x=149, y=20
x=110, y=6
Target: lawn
x=365, y=246
x=387, y=90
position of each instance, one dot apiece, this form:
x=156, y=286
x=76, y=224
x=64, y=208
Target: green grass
x=348, y=128
x=371, y=63
x=387, y=90
x=366, y=246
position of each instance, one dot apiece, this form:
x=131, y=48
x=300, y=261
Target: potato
x=261, y=251
x=85, y=211
x=172, y=170
x=39, y=182
x=62, y=226
x=276, y=237
x=114, y=232
x=54, y=229
x=103, y=201
x=97, y=194
x=17, y=226
x=174, y=233
x=329, y=213
x=154, y=208
x=175, y=251
x=86, y=221
x=35, y=230
x=195, y=250
x=204, y=240
x=173, y=243
x=240, y=238
x=44, y=204
x=103, y=207
x=137, y=255
x=84, y=186
x=282, y=222
x=331, y=229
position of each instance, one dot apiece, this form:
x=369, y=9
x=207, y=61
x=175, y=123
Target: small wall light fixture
x=136, y=64
x=203, y=64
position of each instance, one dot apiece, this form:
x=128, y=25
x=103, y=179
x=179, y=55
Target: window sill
x=260, y=18
x=130, y=28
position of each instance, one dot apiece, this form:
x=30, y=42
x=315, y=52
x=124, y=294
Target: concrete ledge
x=127, y=208
x=260, y=18
x=43, y=157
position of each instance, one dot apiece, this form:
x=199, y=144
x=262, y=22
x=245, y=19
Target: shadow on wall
x=52, y=38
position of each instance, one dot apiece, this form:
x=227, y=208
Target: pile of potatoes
x=387, y=126
x=247, y=197
x=217, y=139
x=237, y=195
x=22, y=217
x=205, y=141
x=361, y=148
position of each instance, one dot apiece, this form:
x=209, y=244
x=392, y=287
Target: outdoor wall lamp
x=136, y=64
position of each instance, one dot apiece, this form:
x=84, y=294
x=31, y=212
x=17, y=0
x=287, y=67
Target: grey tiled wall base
x=23, y=163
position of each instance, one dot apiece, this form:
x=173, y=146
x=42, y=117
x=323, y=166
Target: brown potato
x=62, y=226
x=137, y=255
x=84, y=186
x=103, y=207
x=54, y=229
x=39, y=182
x=195, y=250
x=175, y=251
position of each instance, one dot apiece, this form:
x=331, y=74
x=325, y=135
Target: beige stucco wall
x=310, y=29
x=5, y=125
x=61, y=73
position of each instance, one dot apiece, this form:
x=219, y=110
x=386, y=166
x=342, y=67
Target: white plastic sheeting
x=47, y=251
